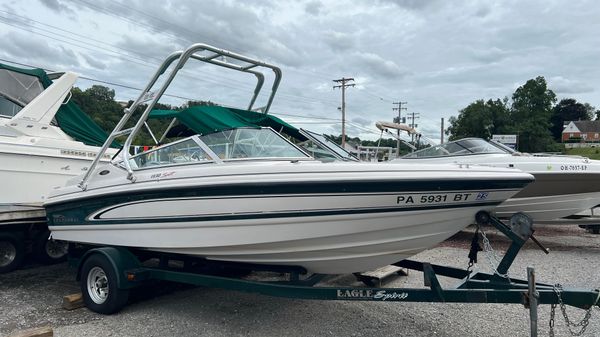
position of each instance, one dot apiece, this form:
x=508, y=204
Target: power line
x=171, y=24
x=130, y=55
x=238, y=84
x=152, y=28
x=329, y=120
x=95, y=80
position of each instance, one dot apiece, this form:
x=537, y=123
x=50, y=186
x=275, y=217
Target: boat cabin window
x=8, y=108
x=243, y=143
x=16, y=91
x=467, y=146
x=182, y=152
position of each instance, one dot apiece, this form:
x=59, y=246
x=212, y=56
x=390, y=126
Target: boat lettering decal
x=435, y=198
x=61, y=219
x=573, y=167
x=79, y=153
x=162, y=175
x=355, y=293
x=482, y=195
x=359, y=294
x=384, y=295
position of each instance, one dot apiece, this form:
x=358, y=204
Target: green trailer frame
x=124, y=271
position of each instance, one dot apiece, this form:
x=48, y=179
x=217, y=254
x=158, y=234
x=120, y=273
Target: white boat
x=564, y=185
x=248, y=195
x=36, y=155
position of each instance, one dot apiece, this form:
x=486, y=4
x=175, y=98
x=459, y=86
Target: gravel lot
x=32, y=297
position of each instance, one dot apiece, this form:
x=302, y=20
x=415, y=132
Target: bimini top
x=204, y=119
x=19, y=87
x=462, y=147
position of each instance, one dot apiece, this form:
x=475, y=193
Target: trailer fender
x=120, y=258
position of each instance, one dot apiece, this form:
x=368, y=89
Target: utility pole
x=343, y=86
x=412, y=124
x=399, y=109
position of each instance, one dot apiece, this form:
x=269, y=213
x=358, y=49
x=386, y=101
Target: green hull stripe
x=69, y=221
x=75, y=212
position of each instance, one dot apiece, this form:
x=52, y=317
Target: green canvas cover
x=39, y=73
x=71, y=119
x=205, y=119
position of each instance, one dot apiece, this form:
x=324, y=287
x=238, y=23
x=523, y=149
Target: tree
x=101, y=93
x=568, y=109
x=592, y=110
x=531, y=111
x=481, y=119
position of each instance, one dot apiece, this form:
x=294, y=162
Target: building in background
x=582, y=133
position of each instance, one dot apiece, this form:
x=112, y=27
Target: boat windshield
x=251, y=143
x=181, y=152
x=466, y=146
x=323, y=149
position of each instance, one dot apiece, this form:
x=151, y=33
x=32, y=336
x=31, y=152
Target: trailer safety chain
x=490, y=254
x=582, y=325
x=475, y=248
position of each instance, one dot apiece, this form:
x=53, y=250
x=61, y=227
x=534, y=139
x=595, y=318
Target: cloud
x=377, y=65
x=363, y=121
x=313, y=7
x=339, y=41
x=28, y=48
x=561, y=85
x=489, y=54
x=435, y=55
x=57, y=6
x=93, y=62
x=412, y=4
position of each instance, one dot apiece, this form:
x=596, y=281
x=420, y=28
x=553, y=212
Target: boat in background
x=36, y=152
x=564, y=185
x=248, y=195
x=43, y=140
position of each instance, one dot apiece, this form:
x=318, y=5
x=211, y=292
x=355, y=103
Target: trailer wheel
x=99, y=287
x=12, y=251
x=47, y=250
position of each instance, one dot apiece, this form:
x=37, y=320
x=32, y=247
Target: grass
x=590, y=152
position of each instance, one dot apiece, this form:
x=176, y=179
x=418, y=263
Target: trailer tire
x=12, y=252
x=99, y=286
x=49, y=251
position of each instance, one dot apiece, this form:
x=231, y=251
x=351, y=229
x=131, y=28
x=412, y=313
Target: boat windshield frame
x=463, y=151
x=333, y=148
x=205, y=150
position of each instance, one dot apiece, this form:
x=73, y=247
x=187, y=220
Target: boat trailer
x=106, y=275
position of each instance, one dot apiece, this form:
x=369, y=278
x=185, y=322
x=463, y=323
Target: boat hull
x=30, y=171
x=332, y=222
x=563, y=185
x=332, y=244
x=544, y=208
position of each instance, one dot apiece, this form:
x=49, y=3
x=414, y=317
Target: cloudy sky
x=438, y=56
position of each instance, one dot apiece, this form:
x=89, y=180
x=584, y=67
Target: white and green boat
x=248, y=195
